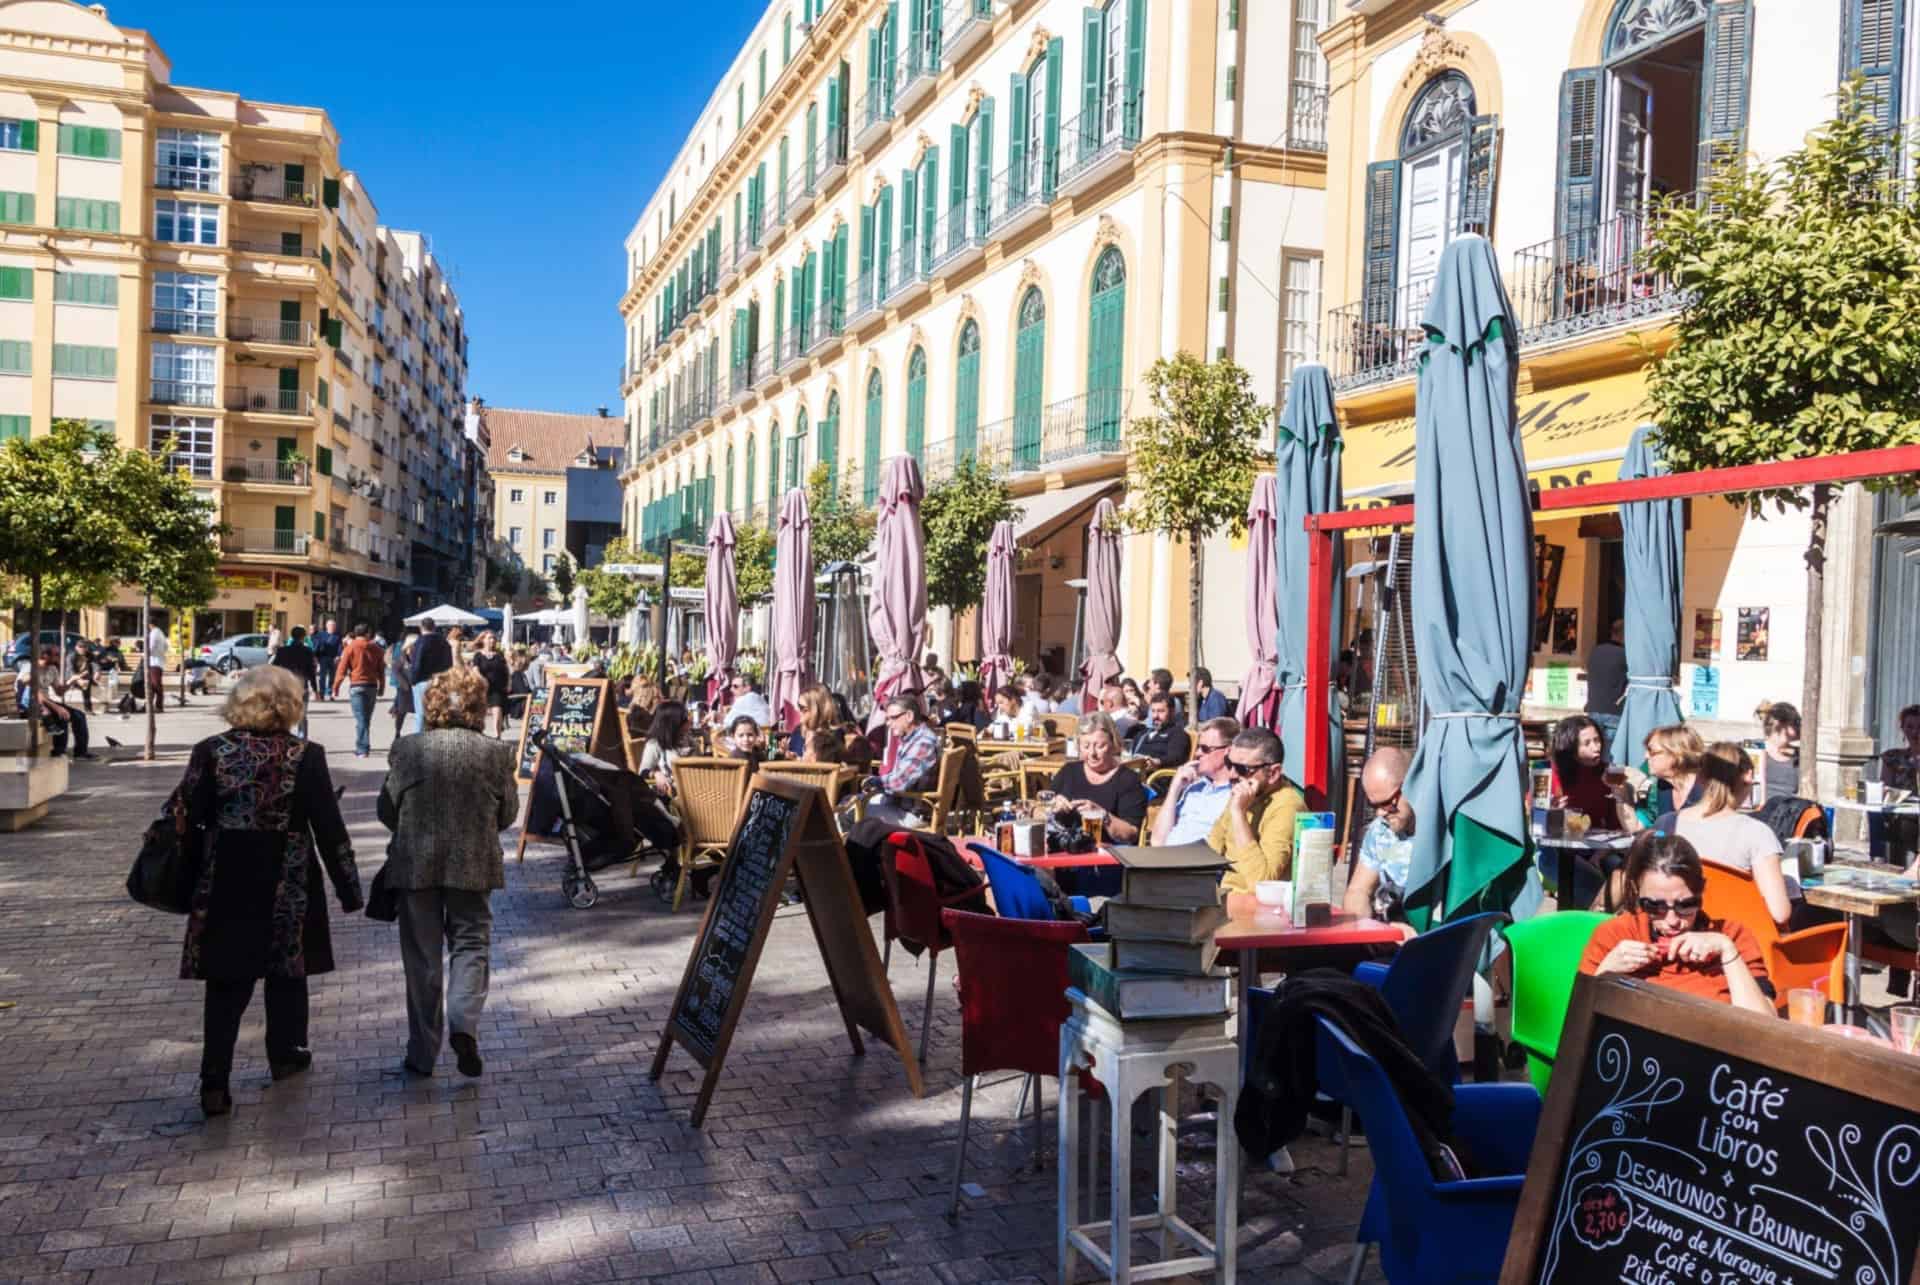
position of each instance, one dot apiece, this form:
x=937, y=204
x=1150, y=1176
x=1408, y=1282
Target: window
x=966, y=397
x=16, y=357
x=1300, y=325
x=917, y=405
x=81, y=361
x=773, y=475
x=16, y=283
x=1309, y=88
x=90, y=141
x=16, y=207
x=186, y=160
x=746, y=489
x=1029, y=370
x=546, y=563
x=550, y=497
x=870, y=467
x=191, y=442
x=183, y=374
x=1106, y=349
x=94, y=289
x=546, y=537
x=186, y=222
x=514, y=535
x=86, y=216
x=11, y=426
x=1036, y=126
x=19, y=135
x=516, y=496
x=185, y=302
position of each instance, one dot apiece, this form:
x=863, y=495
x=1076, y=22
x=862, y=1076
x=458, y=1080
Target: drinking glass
x=1905, y=1020
x=1807, y=1006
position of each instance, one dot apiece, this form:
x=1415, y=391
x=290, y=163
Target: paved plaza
x=564, y=1163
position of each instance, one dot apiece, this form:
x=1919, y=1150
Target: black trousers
x=227, y=1001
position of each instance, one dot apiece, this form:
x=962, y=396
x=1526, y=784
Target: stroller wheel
x=662, y=882
x=583, y=894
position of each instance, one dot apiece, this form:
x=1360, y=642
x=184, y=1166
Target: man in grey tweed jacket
x=449, y=792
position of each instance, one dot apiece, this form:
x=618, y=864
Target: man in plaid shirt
x=912, y=762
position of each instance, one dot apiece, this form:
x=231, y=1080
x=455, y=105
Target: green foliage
x=753, y=562
x=959, y=515
x=175, y=559
x=58, y=517
x=1800, y=331
x=563, y=576
x=609, y=594
x=1194, y=458
x=842, y=530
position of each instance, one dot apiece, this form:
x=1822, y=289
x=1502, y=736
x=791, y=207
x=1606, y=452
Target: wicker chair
x=830, y=778
x=946, y=787
x=708, y=794
x=1061, y=724
x=961, y=733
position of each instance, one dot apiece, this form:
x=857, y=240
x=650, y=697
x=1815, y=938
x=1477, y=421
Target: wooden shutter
x=957, y=187
x=883, y=232
x=909, y=220
x=1872, y=36
x=1136, y=70
x=1050, y=159
x=746, y=490
x=867, y=248
x=870, y=465
x=29, y=135
x=1723, y=100
x=1106, y=347
x=917, y=405
x=835, y=109
x=983, y=168
x=737, y=197
x=1093, y=40
x=890, y=53
x=873, y=72
x=813, y=145
x=934, y=46
x=1577, y=202
x=1482, y=153
x=929, y=205
x=1381, y=242
x=1029, y=374
x=779, y=318
x=1017, y=141
x=829, y=446
x=966, y=403
x=840, y=277
x=781, y=180
x=330, y=193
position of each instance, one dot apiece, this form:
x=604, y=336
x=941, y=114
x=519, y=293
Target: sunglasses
x=1387, y=804
x=1213, y=749
x=1247, y=769
x=1661, y=909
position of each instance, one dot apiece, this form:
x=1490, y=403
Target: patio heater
x=843, y=652
x=1077, y=656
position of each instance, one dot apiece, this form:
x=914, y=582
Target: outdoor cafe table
x=986, y=747
x=1279, y=941
x=1861, y=906
x=1569, y=850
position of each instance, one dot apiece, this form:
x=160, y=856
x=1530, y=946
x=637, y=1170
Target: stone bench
x=28, y=781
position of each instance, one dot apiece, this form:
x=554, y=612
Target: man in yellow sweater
x=1255, y=833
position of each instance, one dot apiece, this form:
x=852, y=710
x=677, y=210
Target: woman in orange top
x=1662, y=937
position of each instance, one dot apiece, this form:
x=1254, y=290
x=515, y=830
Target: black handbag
x=383, y=900
x=165, y=872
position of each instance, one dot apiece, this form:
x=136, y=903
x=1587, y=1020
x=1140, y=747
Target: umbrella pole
x=1313, y=773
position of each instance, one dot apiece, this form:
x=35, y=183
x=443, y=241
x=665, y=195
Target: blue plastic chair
x=1016, y=892
x=1428, y=1230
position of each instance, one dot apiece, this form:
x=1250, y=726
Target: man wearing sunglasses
x=1255, y=833
x=1197, y=795
x=1377, y=889
x=748, y=702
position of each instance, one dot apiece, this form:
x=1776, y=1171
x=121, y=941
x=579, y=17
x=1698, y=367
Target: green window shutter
x=90, y=141
x=909, y=219
x=840, y=277
x=330, y=193
x=966, y=399
x=1106, y=349
x=1093, y=45
x=86, y=216
x=30, y=135
x=1872, y=36
x=17, y=283
x=917, y=405
x=319, y=524
x=1723, y=99
x=12, y=426
x=956, y=185
x=739, y=107
x=983, y=168
x=883, y=232
x=813, y=144
x=84, y=361
x=1017, y=137
x=334, y=334
x=773, y=475
x=1136, y=70
x=1029, y=375
x=738, y=200
x=781, y=181
x=1481, y=139
x=1381, y=243
x=867, y=248
x=929, y=205
x=1233, y=83
x=1233, y=15
x=746, y=489
x=786, y=38
x=1221, y=294
x=16, y=357
x=763, y=74
x=1050, y=159
x=324, y=457
x=326, y=257
x=1577, y=200
x=101, y=289
x=779, y=316
x=1226, y=223
x=870, y=463
x=830, y=441
x=323, y=390
x=835, y=110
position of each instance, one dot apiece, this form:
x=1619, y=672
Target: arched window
x=917, y=406
x=966, y=395
x=870, y=464
x=829, y=449
x=1029, y=374
x=746, y=490
x=773, y=474
x=797, y=450
x=1106, y=349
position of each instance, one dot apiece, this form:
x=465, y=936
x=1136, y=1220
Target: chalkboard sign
x=528, y=758
x=576, y=708
x=1688, y=1143
x=784, y=828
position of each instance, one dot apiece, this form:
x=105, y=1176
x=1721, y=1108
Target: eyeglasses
x=1213, y=749
x=1247, y=769
x=1661, y=909
x=1387, y=804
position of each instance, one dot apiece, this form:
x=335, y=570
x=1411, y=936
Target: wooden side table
x=1131, y=1058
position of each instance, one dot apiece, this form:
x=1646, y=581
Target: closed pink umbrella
x=1259, y=698
x=897, y=616
x=722, y=604
x=996, y=620
x=792, y=608
x=1103, y=603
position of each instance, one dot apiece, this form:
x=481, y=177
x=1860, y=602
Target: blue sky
x=523, y=139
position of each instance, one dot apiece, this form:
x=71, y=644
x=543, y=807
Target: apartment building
x=199, y=272
x=555, y=480
x=958, y=228
x=1551, y=128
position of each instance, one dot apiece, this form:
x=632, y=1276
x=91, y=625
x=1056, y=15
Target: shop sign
x=243, y=578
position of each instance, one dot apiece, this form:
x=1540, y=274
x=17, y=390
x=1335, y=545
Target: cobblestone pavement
x=564, y=1163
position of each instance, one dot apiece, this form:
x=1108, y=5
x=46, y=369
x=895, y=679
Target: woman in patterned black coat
x=257, y=805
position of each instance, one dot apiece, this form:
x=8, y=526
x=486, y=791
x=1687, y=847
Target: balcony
x=177, y=392
x=793, y=347
x=270, y=330
x=825, y=326
x=269, y=401
x=729, y=266
x=965, y=26
x=265, y=540
x=870, y=294
x=198, y=467
x=173, y=321
x=1096, y=148
x=278, y=249
x=1307, y=121
x=916, y=71
x=960, y=237
x=265, y=472
x=1019, y=198
x=276, y=190
x=873, y=111
x=1377, y=340
x=912, y=268
x=833, y=166
x=1083, y=427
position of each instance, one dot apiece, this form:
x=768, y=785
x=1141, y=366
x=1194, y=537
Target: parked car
x=237, y=652
x=17, y=649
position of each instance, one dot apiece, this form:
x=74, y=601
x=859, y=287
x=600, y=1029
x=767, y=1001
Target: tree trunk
x=33, y=673
x=1195, y=596
x=152, y=687
x=1813, y=642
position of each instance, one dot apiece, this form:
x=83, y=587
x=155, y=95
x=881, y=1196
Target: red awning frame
x=1324, y=528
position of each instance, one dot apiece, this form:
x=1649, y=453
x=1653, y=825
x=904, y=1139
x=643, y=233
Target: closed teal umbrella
x=1653, y=542
x=1307, y=473
x=1472, y=601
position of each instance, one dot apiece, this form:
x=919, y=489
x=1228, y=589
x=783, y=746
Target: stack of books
x=1158, y=960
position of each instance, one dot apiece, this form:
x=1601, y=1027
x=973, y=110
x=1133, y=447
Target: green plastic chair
x=1546, y=959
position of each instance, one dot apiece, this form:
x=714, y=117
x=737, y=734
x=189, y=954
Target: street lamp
x=841, y=640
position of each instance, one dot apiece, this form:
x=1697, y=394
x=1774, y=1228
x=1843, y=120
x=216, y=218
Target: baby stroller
x=604, y=813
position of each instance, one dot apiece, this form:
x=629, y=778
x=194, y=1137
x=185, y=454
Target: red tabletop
x=1277, y=932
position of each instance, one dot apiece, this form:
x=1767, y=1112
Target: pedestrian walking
x=296, y=658
x=156, y=667
x=491, y=665
x=400, y=670
x=327, y=644
x=449, y=792
x=81, y=673
x=363, y=671
x=258, y=804
x=432, y=656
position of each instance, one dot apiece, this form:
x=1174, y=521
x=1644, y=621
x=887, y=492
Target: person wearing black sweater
x=296, y=658
x=433, y=654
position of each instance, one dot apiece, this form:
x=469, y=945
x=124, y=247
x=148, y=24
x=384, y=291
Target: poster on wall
x=1547, y=559
x=1750, y=643
x=1566, y=631
x=1703, y=697
x=1558, y=688
x=1706, y=634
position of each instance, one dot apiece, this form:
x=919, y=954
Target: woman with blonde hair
x=818, y=713
x=257, y=804
x=1726, y=836
x=491, y=665
x=449, y=792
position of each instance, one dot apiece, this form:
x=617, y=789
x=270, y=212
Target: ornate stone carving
x=1038, y=45
x=1437, y=52
x=1644, y=23
x=975, y=96
x=1106, y=232
x=1439, y=111
x=1029, y=276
